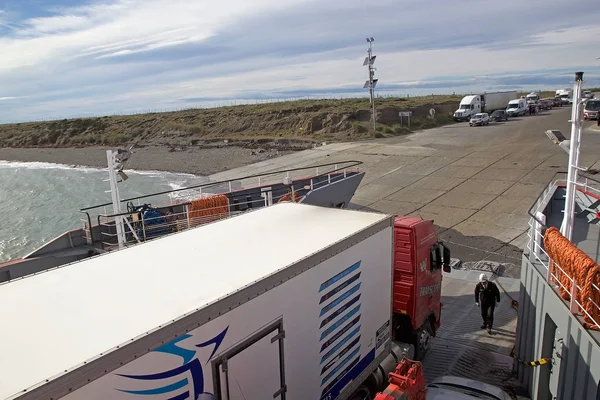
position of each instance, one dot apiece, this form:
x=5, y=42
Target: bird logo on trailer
x=191, y=365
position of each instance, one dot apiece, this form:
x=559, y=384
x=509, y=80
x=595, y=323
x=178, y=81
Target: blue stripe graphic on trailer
x=340, y=355
x=340, y=344
x=333, y=389
x=339, y=276
x=161, y=390
x=345, y=372
x=338, y=289
x=182, y=396
x=340, y=365
x=337, y=301
x=339, y=311
x=339, y=333
x=337, y=324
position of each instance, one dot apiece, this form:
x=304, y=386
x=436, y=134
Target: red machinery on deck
x=406, y=383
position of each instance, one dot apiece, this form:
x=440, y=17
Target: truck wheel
x=468, y=117
x=362, y=393
x=422, y=340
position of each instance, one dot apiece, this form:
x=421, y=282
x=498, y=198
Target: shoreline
x=190, y=160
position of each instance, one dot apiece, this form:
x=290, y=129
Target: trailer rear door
x=231, y=379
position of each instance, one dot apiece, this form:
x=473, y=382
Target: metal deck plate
x=461, y=347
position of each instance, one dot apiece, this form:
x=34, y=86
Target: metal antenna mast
x=371, y=83
x=116, y=161
x=576, y=126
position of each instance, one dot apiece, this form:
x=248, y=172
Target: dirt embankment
x=285, y=126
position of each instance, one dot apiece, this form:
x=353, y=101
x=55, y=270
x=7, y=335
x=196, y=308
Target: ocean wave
x=46, y=165
x=40, y=201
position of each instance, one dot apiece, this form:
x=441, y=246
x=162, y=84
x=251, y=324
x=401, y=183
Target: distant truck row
x=478, y=103
x=508, y=101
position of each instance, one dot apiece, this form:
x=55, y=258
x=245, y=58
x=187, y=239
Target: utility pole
x=371, y=83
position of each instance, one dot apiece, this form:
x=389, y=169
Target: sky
x=70, y=58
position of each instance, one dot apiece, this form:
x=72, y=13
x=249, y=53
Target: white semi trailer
x=485, y=102
x=287, y=302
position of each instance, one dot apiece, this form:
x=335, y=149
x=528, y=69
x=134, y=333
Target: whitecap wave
x=47, y=165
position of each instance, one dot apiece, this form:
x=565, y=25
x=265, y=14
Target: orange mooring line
x=575, y=263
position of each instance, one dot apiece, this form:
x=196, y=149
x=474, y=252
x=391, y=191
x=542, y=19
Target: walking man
x=486, y=296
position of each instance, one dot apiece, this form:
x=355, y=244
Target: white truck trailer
x=287, y=302
x=485, y=102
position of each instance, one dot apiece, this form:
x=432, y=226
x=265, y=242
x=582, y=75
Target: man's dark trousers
x=487, y=313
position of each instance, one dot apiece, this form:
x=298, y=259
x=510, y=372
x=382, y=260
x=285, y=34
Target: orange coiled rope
x=288, y=197
x=575, y=263
x=208, y=209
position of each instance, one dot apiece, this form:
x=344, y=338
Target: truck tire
x=422, y=341
x=362, y=393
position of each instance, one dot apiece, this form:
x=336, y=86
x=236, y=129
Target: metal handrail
x=554, y=281
x=553, y=183
x=337, y=169
x=538, y=254
x=338, y=173
x=179, y=220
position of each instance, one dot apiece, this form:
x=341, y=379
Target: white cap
x=482, y=278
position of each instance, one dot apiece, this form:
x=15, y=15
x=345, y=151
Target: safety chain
x=536, y=363
x=541, y=361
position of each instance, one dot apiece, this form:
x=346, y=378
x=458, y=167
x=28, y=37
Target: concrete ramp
x=461, y=347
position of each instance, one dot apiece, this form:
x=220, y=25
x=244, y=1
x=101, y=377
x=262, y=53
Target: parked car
x=591, y=109
x=499, y=116
x=545, y=104
x=557, y=102
x=455, y=388
x=480, y=119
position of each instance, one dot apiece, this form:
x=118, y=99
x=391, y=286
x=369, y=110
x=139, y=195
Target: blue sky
x=64, y=58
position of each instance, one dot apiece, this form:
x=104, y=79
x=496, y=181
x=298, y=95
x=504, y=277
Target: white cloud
x=395, y=68
x=132, y=25
x=144, y=54
x=56, y=24
x=577, y=36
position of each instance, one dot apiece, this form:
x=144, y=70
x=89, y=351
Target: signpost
x=403, y=114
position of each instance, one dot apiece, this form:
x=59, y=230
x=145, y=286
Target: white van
x=517, y=107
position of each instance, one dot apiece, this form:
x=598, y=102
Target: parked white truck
x=566, y=95
x=486, y=102
x=533, y=98
x=288, y=302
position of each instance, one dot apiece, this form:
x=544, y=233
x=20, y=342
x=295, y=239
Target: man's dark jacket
x=487, y=295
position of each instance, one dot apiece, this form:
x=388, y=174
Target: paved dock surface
x=477, y=184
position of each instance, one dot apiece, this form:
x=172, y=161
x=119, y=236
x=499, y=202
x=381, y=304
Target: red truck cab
x=419, y=258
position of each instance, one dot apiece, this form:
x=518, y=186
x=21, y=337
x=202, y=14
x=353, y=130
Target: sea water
x=39, y=201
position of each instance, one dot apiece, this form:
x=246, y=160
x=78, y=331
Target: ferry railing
x=141, y=230
x=538, y=254
x=318, y=176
